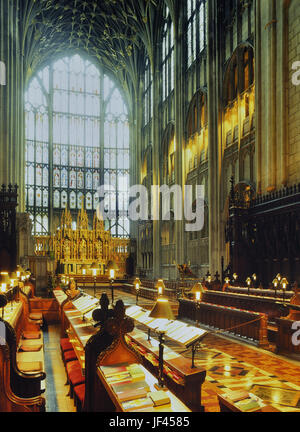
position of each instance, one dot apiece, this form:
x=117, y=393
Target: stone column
x=179, y=132
x=156, y=172
x=12, y=160
x=213, y=150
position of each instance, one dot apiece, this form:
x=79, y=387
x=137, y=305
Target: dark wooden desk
x=183, y=380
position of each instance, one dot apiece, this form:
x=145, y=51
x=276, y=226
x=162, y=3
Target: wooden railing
x=246, y=324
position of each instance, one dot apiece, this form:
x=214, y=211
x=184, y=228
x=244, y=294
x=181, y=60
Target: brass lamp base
x=159, y=387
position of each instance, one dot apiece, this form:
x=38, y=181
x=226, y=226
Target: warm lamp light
x=112, y=268
x=254, y=277
x=208, y=278
x=248, y=281
x=137, y=285
x=275, y=283
x=284, y=284
x=227, y=280
x=198, y=291
x=278, y=277
x=160, y=286
x=19, y=271
x=161, y=310
x=235, y=276
x=4, y=282
x=13, y=278
x=84, y=269
x=94, y=268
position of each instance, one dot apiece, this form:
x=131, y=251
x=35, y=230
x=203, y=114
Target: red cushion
x=72, y=366
x=69, y=356
x=76, y=377
x=66, y=345
x=80, y=392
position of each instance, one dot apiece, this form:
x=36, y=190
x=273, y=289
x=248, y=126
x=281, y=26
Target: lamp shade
x=284, y=283
x=275, y=282
x=137, y=283
x=162, y=310
x=160, y=286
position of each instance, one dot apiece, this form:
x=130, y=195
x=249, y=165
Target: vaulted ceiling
x=117, y=33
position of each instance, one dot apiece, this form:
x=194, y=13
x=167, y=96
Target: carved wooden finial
x=120, y=324
x=103, y=314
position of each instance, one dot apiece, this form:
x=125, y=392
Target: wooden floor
x=230, y=364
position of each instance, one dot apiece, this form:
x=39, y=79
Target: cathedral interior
x=150, y=206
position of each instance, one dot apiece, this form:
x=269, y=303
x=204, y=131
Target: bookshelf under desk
x=183, y=379
x=175, y=404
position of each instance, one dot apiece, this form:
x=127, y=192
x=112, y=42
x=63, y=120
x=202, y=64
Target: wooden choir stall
x=22, y=375
x=96, y=337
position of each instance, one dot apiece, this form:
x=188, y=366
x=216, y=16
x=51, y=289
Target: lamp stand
x=94, y=286
x=112, y=290
x=161, y=382
x=137, y=297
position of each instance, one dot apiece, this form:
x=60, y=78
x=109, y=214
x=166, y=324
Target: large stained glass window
x=77, y=138
x=196, y=28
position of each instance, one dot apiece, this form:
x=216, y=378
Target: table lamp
x=19, y=271
x=275, y=284
x=94, y=268
x=112, y=268
x=137, y=285
x=248, y=282
x=198, y=292
x=13, y=278
x=284, y=284
x=161, y=310
x=160, y=286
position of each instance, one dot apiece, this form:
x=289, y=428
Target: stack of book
x=244, y=401
x=128, y=383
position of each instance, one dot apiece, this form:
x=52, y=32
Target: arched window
x=196, y=131
x=168, y=154
x=196, y=29
x=239, y=95
x=77, y=137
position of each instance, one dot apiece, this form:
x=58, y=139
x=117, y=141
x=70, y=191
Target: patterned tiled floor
x=230, y=365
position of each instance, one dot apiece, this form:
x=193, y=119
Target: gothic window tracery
x=196, y=29
x=66, y=105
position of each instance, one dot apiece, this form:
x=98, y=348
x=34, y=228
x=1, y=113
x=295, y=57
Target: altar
x=75, y=248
